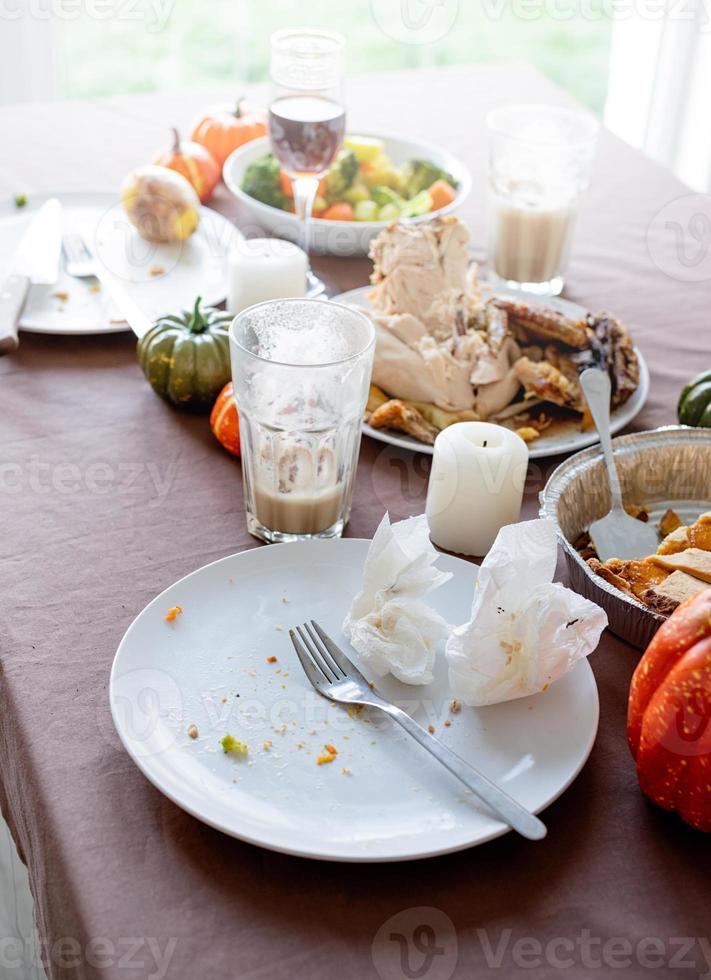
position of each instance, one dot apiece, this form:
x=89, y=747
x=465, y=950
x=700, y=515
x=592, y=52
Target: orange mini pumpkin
x=222, y=130
x=224, y=420
x=669, y=714
x=194, y=162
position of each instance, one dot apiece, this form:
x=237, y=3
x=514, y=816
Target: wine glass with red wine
x=307, y=118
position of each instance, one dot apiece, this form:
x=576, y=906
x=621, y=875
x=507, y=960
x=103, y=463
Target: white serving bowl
x=339, y=237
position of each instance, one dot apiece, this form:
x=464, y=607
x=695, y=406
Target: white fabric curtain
x=659, y=93
x=30, y=51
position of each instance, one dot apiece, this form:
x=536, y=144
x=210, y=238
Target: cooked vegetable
x=186, y=358
x=224, y=420
x=389, y=212
x=364, y=180
x=225, y=128
x=262, y=181
x=194, y=162
x=695, y=402
x=420, y=204
x=342, y=211
x=341, y=175
x=230, y=744
x=161, y=204
x=386, y=195
x=442, y=194
x=418, y=175
x=366, y=211
x=365, y=148
x=669, y=709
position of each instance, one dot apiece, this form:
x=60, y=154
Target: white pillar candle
x=264, y=268
x=476, y=485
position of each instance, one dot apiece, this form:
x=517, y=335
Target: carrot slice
x=442, y=194
x=340, y=211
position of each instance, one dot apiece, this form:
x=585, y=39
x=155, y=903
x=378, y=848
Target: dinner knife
x=36, y=260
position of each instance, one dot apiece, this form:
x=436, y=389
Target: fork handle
x=597, y=389
x=511, y=812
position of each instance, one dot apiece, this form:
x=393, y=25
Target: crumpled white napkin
x=388, y=624
x=525, y=630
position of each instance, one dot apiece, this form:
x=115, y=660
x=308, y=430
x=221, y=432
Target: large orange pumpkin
x=194, y=163
x=223, y=129
x=224, y=420
x=669, y=714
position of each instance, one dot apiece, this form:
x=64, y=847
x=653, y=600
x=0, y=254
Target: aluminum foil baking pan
x=667, y=467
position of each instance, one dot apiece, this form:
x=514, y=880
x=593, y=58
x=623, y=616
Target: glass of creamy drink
x=539, y=166
x=301, y=371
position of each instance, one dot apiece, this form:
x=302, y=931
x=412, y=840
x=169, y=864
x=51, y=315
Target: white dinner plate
x=160, y=278
x=393, y=802
x=565, y=442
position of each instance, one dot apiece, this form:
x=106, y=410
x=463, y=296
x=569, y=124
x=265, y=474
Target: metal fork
x=337, y=678
x=82, y=264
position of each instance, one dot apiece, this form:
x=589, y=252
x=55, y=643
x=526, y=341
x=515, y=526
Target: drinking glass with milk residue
x=539, y=167
x=301, y=372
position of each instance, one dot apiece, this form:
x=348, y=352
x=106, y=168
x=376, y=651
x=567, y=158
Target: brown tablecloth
x=108, y=496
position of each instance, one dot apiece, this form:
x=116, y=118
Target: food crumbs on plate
x=455, y=706
x=224, y=700
x=267, y=745
x=448, y=723
x=545, y=687
x=156, y=270
x=272, y=659
x=231, y=745
x=193, y=732
x=62, y=296
x=328, y=756
x=20, y=200
x=345, y=771
x=173, y=613
x=431, y=729
x=285, y=600
x=354, y=711
x=96, y=288
x=299, y=745
x=278, y=628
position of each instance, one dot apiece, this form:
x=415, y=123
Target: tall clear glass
x=301, y=371
x=539, y=167
x=307, y=116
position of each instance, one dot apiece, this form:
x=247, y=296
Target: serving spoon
x=617, y=534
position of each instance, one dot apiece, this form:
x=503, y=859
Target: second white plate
x=160, y=278
x=557, y=444
x=383, y=799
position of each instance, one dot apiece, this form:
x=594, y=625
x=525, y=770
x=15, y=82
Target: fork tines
x=317, y=650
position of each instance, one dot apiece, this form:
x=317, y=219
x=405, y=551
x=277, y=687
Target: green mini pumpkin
x=695, y=402
x=186, y=358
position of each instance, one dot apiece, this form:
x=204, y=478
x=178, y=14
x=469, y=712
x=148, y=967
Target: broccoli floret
x=261, y=181
x=341, y=175
x=419, y=204
x=418, y=175
x=386, y=195
x=231, y=744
